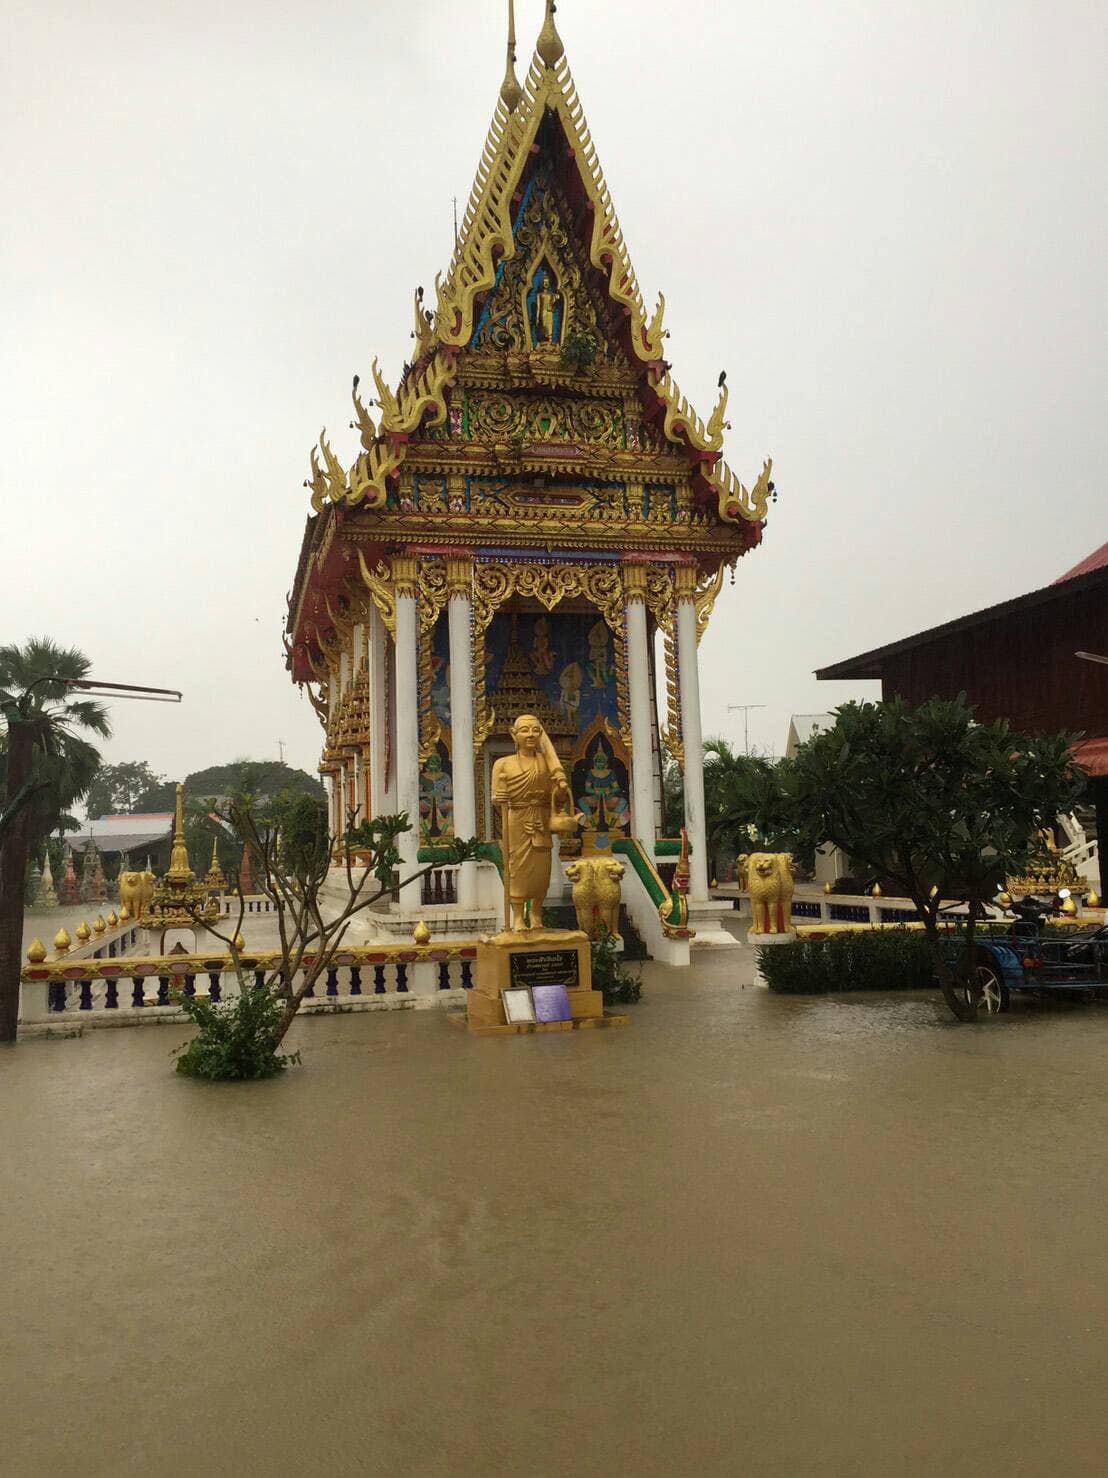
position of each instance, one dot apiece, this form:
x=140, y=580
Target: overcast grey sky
x=885, y=219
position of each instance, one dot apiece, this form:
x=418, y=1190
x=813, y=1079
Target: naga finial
x=510, y=90
x=367, y=432
x=549, y=45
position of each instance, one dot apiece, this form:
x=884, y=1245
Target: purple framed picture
x=551, y=1003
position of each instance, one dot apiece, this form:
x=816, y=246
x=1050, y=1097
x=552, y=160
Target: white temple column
x=691, y=736
x=407, y=718
x=638, y=684
x=378, y=638
x=459, y=577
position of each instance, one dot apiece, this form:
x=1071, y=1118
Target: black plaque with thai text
x=545, y=967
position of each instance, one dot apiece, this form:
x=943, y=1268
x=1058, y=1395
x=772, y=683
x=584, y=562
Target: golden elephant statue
x=770, y=885
x=135, y=891
x=596, y=894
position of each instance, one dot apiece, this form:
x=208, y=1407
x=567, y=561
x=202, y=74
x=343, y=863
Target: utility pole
x=744, y=709
x=281, y=749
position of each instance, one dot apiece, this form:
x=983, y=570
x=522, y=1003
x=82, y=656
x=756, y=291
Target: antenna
x=744, y=709
x=281, y=749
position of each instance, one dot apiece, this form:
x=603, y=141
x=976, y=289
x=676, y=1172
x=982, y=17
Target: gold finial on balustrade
x=239, y=942
x=99, y=924
x=37, y=952
x=1093, y=901
x=827, y=888
x=421, y=934
x=62, y=941
x=875, y=891
x=179, y=857
x=84, y=933
x=124, y=914
x=113, y=919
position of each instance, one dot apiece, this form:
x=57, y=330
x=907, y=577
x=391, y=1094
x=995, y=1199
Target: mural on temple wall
x=600, y=782
x=436, y=797
x=570, y=659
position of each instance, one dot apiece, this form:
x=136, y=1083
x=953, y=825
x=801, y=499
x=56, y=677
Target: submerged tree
x=292, y=856
x=47, y=766
x=940, y=805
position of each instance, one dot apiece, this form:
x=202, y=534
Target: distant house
x=801, y=728
x=136, y=836
x=1018, y=661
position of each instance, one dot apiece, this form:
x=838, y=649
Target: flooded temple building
x=536, y=520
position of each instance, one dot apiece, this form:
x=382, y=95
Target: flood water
x=748, y=1235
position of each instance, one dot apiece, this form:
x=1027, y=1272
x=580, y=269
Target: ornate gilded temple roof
x=539, y=411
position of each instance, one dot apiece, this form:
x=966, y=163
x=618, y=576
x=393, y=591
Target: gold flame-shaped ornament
x=37, y=952
x=549, y=45
x=421, y=934
x=100, y=923
x=84, y=933
x=113, y=919
x=62, y=941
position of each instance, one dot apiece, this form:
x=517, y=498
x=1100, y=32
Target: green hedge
x=892, y=959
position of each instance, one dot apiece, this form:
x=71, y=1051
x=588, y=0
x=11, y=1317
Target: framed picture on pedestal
x=519, y=1008
x=551, y=1003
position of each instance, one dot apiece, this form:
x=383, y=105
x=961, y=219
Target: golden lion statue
x=770, y=884
x=596, y=893
x=135, y=891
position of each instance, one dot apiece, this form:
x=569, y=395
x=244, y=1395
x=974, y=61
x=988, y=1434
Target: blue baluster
x=378, y=980
x=190, y=985
x=56, y=993
x=332, y=980
x=310, y=992
x=401, y=977
x=355, y=980
x=467, y=974
x=137, y=991
x=444, y=975
x=111, y=997
x=163, y=990
x=216, y=989
x=86, y=996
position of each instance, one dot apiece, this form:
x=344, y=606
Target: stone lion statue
x=770, y=884
x=596, y=893
x=135, y=891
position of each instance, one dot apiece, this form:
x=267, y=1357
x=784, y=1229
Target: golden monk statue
x=531, y=789
x=546, y=309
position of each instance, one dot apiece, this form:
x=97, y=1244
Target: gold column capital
x=459, y=576
x=405, y=574
x=634, y=583
x=684, y=580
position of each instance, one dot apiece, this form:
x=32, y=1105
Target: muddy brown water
x=748, y=1235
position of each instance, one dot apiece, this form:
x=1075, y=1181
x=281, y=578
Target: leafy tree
x=292, y=851
x=747, y=804
x=940, y=805
x=119, y=788
x=47, y=766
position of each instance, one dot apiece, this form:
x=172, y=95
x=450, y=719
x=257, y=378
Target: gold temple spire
x=179, y=857
x=510, y=90
x=549, y=45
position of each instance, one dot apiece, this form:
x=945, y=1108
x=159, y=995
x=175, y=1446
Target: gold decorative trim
x=459, y=577
x=380, y=588
x=405, y=575
x=704, y=599
x=433, y=584
x=634, y=583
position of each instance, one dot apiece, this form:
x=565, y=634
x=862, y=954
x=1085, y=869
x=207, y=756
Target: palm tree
x=745, y=802
x=48, y=767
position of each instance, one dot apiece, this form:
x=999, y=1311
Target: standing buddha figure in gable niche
x=547, y=316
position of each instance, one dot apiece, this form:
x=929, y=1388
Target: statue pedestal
x=533, y=957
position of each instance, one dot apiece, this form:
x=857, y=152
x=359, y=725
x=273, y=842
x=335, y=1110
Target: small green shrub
x=892, y=959
x=609, y=974
x=236, y=1039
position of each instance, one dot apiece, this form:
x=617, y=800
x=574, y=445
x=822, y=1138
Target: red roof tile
x=1095, y=561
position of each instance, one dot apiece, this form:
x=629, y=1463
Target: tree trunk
x=13, y=867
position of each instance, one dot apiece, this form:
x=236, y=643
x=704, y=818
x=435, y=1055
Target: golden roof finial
x=179, y=857
x=510, y=90
x=549, y=45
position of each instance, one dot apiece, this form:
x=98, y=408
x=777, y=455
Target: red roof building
x=1017, y=660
